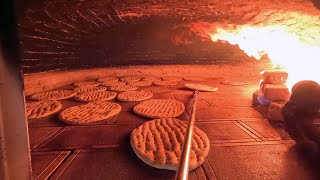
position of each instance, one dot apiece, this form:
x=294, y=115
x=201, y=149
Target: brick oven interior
x=64, y=42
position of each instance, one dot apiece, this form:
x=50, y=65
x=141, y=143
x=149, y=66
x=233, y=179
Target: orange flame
x=284, y=47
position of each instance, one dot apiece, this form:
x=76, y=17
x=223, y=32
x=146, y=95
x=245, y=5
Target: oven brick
x=275, y=92
x=275, y=77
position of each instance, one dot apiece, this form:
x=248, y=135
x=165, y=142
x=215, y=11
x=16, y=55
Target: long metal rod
x=183, y=169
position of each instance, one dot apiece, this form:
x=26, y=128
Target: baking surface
x=243, y=144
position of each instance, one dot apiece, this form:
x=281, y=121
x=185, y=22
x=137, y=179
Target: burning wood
x=274, y=111
x=275, y=76
x=274, y=92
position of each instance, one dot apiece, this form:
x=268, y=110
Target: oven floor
x=243, y=144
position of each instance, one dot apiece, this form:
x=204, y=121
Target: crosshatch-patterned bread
x=53, y=95
x=113, y=83
x=140, y=83
x=159, y=143
x=91, y=112
x=159, y=108
x=152, y=79
x=123, y=88
x=86, y=83
x=107, y=79
x=95, y=96
x=130, y=79
x=131, y=96
x=171, y=79
x=165, y=83
x=39, y=109
x=86, y=89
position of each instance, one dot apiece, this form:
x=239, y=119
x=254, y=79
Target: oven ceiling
x=62, y=34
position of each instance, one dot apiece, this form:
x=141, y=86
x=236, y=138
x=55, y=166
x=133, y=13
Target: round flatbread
x=152, y=79
x=132, y=96
x=113, y=83
x=53, y=95
x=193, y=78
x=159, y=143
x=86, y=89
x=91, y=112
x=165, y=83
x=201, y=87
x=96, y=96
x=159, y=108
x=140, y=83
x=123, y=88
x=130, y=79
x=107, y=79
x=171, y=79
x=234, y=83
x=86, y=83
x=39, y=109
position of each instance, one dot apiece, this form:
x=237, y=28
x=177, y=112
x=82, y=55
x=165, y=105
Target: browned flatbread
x=152, y=79
x=107, y=79
x=53, y=95
x=165, y=83
x=159, y=108
x=159, y=143
x=140, y=83
x=96, y=96
x=86, y=83
x=130, y=79
x=234, y=83
x=91, y=112
x=201, y=87
x=123, y=88
x=131, y=96
x=39, y=109
x=193, y=78
x=171, y=79
x=86, y=89
x=113, y=83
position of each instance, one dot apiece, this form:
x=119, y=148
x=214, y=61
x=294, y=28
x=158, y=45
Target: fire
x=300, y=58
x=284, y=49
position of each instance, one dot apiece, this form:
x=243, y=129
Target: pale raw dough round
x=86, y=83
x=171, y=79
x=165, y=83
x=113, y=83
x=107, y=79
x=159, y=143
x=86, y=89
x=130, y=79
x=140, y=83
x=123, y=88
x=131, y=96
x=96, y=96
x=53, y=95
x=159, y=108
x=91, y=112
x=39, y=109
x=201, y=87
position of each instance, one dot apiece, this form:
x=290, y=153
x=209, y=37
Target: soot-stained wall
x=63, y=34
